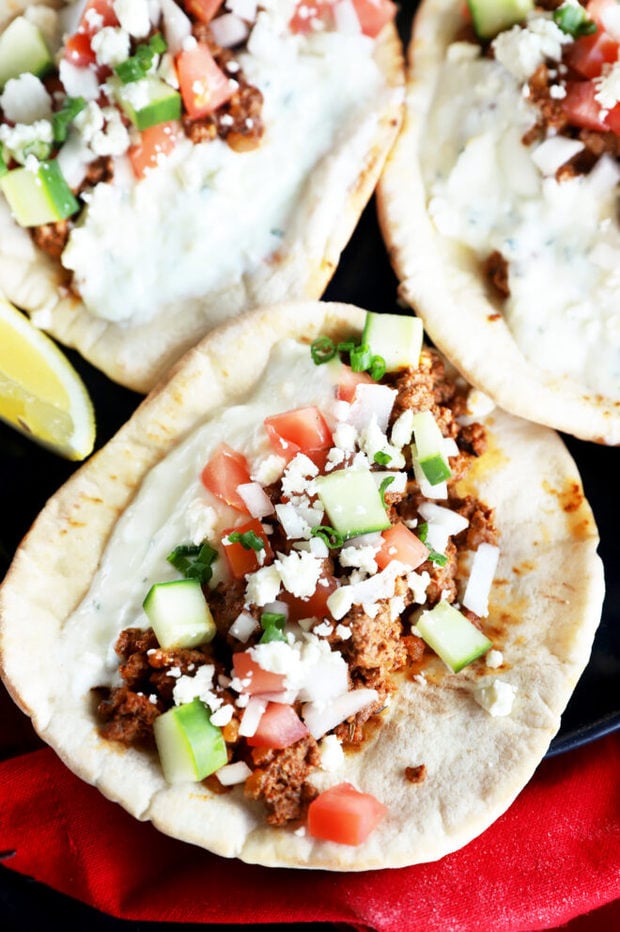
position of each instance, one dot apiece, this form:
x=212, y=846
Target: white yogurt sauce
x=561, y=240
x=162, y=513
x=210, y=215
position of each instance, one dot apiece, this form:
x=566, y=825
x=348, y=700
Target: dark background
x=29, y=475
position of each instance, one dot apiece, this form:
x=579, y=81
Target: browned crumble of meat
x=495, y=271
x=128, y=717
x=51, y=237
x=101, y=170
x=481, y=528
x=280, y=780
x=238, y=121
x=415, y=774
x=426, y=388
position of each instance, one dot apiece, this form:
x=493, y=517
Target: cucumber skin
x=491, y=17
x=434, y=627
x=186, y=731
x=158, y=604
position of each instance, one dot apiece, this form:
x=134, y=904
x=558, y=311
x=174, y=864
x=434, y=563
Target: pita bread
x=442, y=279
x=542, y=621
x=329, y=199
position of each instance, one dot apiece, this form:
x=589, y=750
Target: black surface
x=29, y=475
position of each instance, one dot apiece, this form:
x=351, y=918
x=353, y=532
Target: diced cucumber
x=190, y=747
x=398, y=339
x=452, y=636
x=37, y=197
x=492, y=16
x=430, y=448
x=352, y=502
x=179, y=614
x=23, y=48
x=148, y=101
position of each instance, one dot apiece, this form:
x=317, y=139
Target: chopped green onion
x=383, y=487
x=347, y=346
x=272, y=624
x=574, y=20
x=377, y=368
x=381, y=458
x=194, y=561
x=328, y=535
x=71, y=106
x=3, y=166
x=139, y=64
x=361, y=357
x=322, y=350
x=249, y=540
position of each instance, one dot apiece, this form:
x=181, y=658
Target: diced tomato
x=309, y=13
x=204, y=86
x=348, y=382
x=302, y=430
x=96, y=15
x=588, y=54
x=204, y=10
x=344, y=815
x=612, y=120
x=259, y=681
x=315, y=606
x=580, y=105
x=279, y=727
x=242, y=560
x=374, y=15
x=226, y=470
x=77, y=50
x=400, y=543
x=155, y=142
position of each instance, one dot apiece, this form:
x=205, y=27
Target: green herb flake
x=384, y=486
x=249, y=540
x=332, y=538
x=574, y=21
x=138, y=65
x=272, y=624
x=382, y=459
x=194, y=561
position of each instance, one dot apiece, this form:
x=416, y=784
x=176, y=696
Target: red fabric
x=554, y=856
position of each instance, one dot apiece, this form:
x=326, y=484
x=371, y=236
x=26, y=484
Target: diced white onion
x=554, y=152
x=176, y=25
x=377, y=400
x=246, y=9
x=230, y=774
x=610, y=18
x=255, y=499
x=442, y=524
x=484, y=564
x=450, y=446
x=243, y=626
x=229, y=30
x=252, y=715
x=368, y=591
x=321, y=717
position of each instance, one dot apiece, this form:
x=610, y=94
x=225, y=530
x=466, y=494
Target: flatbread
x=544, y=609
x=330, y=200
x=442, y=281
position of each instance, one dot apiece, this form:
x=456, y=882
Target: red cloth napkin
x=553, y=856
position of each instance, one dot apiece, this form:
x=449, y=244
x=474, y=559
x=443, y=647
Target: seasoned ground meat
x=226, y=602
x=443, y=578
x=425, y=388
x=128, y=717
x=495, y=271
x=101, y=170
x=481, y=529
x=415, y=774
x=280, y=780
x=51, y=237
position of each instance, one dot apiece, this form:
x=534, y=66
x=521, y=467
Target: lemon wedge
x=41, y=394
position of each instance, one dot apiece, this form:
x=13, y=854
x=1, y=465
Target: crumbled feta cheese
x=402, y=429
x=345, y=437
x=496, y=698
x=299, y=572
x=361, y=557
x=608, y=87
x=268, y=470
x=263, y=585
x=111, y=46
x=78, y=82
x=522, y=49
x=418, y=584
x=199, y=686
x=25, y=99
x=293, y=524
x=22, y=139
x=134, y=17
x=223, y=715
x=200, y=520
x=494, y=659
x=332, y=755
x=113, y=138
x=298, y=475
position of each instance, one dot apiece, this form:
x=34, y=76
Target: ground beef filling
x=377, y=648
